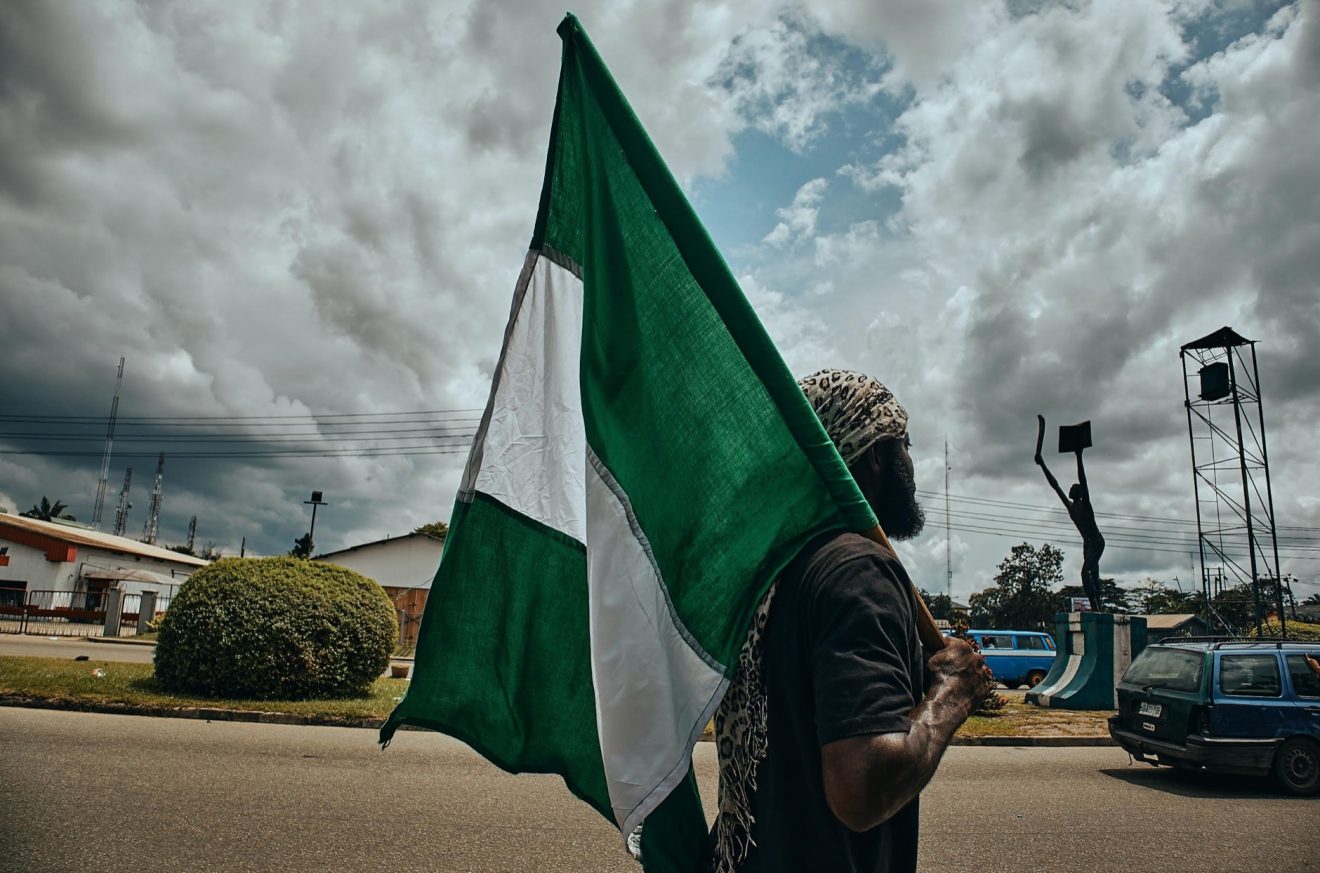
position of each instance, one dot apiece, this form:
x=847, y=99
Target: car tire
x=1034, y=678
x=1297, y=766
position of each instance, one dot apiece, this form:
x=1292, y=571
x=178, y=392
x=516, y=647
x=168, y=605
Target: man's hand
x=958, y=673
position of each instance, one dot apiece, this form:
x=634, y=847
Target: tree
x=1022, y=595
x=435, y=529
x=47, y=511
x=940, y=605
x=1153, y=597
x=1313, y=600
x=302, y=547
x=1113, y=598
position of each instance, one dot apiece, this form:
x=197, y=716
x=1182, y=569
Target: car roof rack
x=1221, y=641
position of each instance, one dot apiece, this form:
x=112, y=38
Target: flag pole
x=929, y=632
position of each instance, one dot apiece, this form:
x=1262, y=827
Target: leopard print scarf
x=857, y=411
x=740, y=736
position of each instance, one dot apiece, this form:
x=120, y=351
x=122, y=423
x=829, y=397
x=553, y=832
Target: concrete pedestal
x=1094, y=649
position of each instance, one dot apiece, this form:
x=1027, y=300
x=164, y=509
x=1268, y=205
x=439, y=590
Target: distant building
x=1161, y=627
x=60, y=557
x=404, y=566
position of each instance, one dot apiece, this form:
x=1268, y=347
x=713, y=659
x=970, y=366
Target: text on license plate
x=1151, y=709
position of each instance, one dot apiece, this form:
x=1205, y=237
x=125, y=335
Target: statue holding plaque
x=1074, y=438
x=1093, y=648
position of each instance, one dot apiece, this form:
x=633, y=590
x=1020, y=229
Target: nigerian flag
x=645, y=467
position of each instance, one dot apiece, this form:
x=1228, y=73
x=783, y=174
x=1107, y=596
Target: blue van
x=1015, y=657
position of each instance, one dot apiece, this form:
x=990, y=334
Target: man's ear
x=876, y=460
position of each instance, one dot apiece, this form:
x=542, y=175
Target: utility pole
x=311, y=534
x=123, y=506
x=105, y=455
x=151, y=529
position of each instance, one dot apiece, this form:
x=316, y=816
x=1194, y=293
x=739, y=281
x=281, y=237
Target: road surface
x=90, y=792
x=71, y=647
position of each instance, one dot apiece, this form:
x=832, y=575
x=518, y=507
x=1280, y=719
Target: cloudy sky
x=301, y=223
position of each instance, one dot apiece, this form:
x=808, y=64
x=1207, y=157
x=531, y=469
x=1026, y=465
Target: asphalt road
x=71, y=647
x=93, y=792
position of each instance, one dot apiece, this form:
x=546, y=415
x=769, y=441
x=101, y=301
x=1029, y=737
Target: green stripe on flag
x=686, y=400
x=502, y=659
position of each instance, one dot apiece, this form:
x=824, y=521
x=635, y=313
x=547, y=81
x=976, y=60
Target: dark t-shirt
x=841, y=659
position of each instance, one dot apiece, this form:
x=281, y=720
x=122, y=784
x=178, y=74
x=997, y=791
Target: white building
x=404, y=566
x=53, y=556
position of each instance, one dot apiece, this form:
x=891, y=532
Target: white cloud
x=798, y=219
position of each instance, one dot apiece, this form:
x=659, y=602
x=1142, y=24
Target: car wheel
x=1034, y=677
x=1297, y=766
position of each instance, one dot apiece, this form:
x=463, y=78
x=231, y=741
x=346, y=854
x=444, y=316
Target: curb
x=121, y=641
x=1054, y=742
x=210, y=713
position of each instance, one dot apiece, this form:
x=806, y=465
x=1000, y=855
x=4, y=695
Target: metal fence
x=77, y=613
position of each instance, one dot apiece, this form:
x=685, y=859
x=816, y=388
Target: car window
x=996, y=641
x=1167, y=668
x=1250, y=675
x=1303, y=677
x=1037, y=643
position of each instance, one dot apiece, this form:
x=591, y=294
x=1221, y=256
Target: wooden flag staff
x=928, y=632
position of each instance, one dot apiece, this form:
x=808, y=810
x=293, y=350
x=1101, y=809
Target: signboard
x=1079, y=604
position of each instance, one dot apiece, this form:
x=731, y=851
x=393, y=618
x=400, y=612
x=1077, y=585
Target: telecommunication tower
x=152, y=528
x=1231, y=469
x=948, y=527
x=105, y=455
x=192, y=532
x=123, y=506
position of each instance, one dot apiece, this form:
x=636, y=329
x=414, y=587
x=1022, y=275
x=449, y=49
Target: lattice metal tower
x=1230, y=468
x=948, y=527
x=105, y=455
x=152, y=528
x=123, y=506
x=192, y=532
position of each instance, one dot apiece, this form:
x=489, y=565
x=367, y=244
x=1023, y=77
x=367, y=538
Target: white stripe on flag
x=655, y=690
x=533, y=458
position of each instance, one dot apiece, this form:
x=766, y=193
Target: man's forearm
x=916, y=754
x=896, y=767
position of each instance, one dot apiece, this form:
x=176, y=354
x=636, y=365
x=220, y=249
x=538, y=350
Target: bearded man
x=836, y=720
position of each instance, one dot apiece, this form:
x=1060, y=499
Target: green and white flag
x=645, y=467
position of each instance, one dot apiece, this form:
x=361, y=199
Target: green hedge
x=1297, y=630
x=275, y=628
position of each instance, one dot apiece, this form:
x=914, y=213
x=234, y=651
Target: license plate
x=1151, y=709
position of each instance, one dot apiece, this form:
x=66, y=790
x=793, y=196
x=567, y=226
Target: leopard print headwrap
x=856, y=410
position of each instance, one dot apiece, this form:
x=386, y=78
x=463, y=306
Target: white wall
x=29, y=564
x=403, y=563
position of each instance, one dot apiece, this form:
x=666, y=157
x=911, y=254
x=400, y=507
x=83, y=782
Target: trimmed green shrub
x=1297, y=630
x=275, y=628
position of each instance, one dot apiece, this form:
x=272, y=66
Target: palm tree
x=47, y=511
x=1313, y=600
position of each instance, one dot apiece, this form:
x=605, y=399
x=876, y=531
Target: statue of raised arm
x=1078, y=503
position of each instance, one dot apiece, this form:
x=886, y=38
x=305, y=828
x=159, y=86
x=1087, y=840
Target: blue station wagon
x=1015, y=657
x=1228, y=707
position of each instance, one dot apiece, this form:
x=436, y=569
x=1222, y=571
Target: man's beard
x=899, y=513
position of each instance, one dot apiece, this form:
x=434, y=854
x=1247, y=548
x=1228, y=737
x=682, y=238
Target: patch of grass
x=55, y=679
x=1020, y=719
